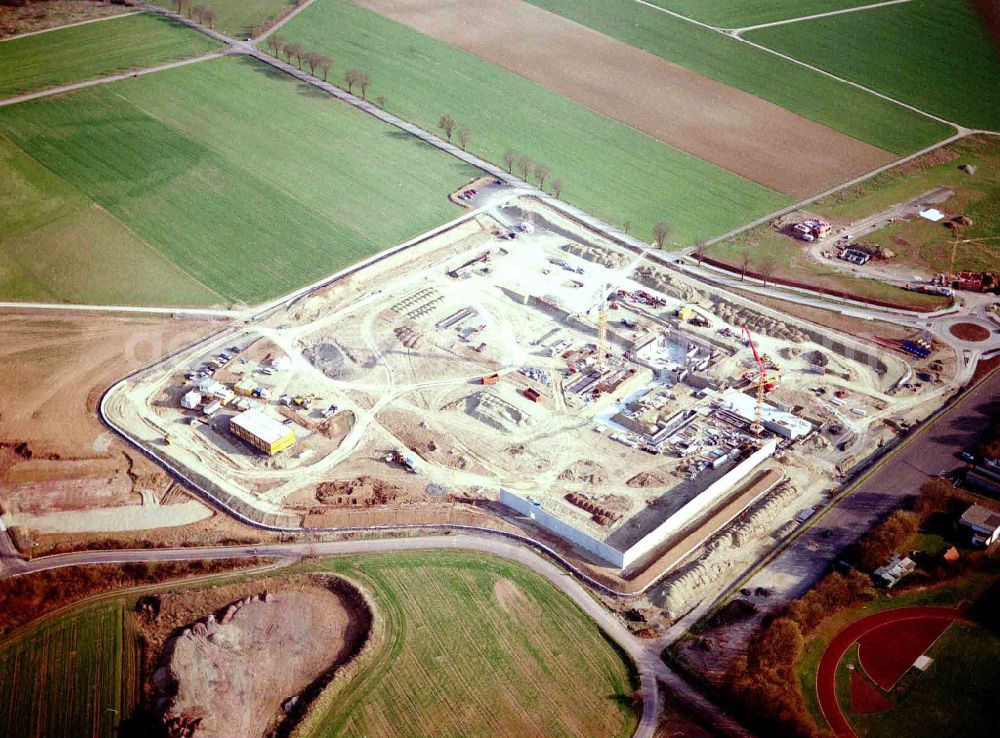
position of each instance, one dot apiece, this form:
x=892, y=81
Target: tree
x=767, y=270
x=182, y=5
x=542, y=172
x=351, y=78
x=509, y=157
x=447, y=124
x=380, y=101
x=782, y=642
x=312, y=59
x=297, y=51
x=198, y=11
x=699, y=249
x=326, y=64
x=744, y=262
x=524, y=165
x=275, y=43
x=208, y=17
x=626, y=225
x=660, y=232
x=557, y=186
x=464, y=136
x=364, y=82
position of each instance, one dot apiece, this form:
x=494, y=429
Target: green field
x=252, y=184
x=70, y=676
x=742, y=13
x=609, y=168
x=460, y=660
x=237, y=17
x=95, y=50
x=465, y=645
x=800, y=90
x=934, y=54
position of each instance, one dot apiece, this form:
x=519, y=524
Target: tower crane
x=757, y=427
x=602, y=327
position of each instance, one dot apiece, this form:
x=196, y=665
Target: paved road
x=814, y=16
x=928, y=453
x=68, y=307
x=10, y=561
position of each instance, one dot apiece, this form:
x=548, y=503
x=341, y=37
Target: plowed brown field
x=730, y=128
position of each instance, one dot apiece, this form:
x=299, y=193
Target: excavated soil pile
x=259, y=662
x=647, y=479
x=660, y=280
x=584, y=470
x=610, y=259
x=757, y=322
x=363, y=491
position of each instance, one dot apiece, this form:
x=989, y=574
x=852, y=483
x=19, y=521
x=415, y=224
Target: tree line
x=201, y=13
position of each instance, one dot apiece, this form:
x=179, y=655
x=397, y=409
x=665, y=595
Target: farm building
x=982, y=525
x=261, y=431
x=191, y=400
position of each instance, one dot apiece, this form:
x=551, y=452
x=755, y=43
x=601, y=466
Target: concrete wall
x=561, y=528
x=698, y=506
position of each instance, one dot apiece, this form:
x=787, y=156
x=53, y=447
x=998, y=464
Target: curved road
x=646, y=655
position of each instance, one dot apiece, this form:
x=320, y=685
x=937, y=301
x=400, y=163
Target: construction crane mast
x=757, y=427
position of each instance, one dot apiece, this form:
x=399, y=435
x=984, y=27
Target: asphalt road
x=930, y=452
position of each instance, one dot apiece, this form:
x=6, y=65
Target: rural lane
x=645, y=654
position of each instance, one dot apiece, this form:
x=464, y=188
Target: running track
x=826, y=672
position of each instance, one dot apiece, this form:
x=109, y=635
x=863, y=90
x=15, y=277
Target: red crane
x=757, y=427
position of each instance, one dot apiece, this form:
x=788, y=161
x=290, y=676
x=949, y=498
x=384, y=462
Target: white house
x=982, y=525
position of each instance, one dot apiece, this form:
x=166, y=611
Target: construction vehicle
x=398, y=457
x=757, y=427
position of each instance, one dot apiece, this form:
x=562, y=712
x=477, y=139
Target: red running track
x=826, y=672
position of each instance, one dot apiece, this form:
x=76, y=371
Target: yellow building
x=261, y=431
x=245, y=387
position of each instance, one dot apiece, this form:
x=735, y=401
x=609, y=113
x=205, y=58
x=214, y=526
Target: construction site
x=519, y=366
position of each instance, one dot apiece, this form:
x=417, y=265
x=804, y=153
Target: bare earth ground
x=54, y=452
x=733, y=129
x=40, y=16
x=235, y=673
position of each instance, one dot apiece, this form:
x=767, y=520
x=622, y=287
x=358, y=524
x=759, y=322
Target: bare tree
x=326, y=64
x=351, y=78
x=509, y=157
x=364, y=82
x=198, y=11
x=464, y=136
x=557, y=186
x=542, y=172
x=297, y=51
x=767, y=270
x=524, y=165
x=660, y=233
x=182, y=5
x=312, y=59
x=699, y=249
x=275, y=43
x=380, y=101
x=626, y=225
x=208, y=17
x=744, y=262
x=447, y=124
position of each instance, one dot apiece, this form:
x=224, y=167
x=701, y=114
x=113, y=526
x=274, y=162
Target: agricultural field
x=237, y=17
x=250, y=184
x=614, y=171
x=470, y=645
x=729, y=128
x=922, y=243
x=92, y=50
x=53, y=13
x=70, y=676
x=742, y=13
x=811, y=95
x=476, y=646
x=934, y=54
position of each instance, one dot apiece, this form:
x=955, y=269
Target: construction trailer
x=266, y=434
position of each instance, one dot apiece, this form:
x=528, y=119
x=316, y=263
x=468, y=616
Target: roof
x=981, y=517
x=261, y=425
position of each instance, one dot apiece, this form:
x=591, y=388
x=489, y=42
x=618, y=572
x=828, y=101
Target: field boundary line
x=814, y=16
x=62, y=89
x=71, y=25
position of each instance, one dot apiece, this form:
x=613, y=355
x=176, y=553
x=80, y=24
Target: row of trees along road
x=200, y=13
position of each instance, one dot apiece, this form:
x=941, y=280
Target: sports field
x=608, y=168
x=84, y=52
x=476, y=646
x=742, y=13
x=788, y=85
x=934, y=54
x=70, y=676
x=236, y=17
x=249, y=183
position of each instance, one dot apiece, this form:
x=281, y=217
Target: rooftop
x=982, y=517
x=262, y=425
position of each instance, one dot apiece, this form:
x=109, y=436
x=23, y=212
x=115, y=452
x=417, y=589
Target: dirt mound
x=610, y=259
x=817, y=358
x=240, y=674
x=407, y=336
x=496, y=412
x=660, y=280
x=584, y=470
x=647, y=479
x=363, y=491
x=874, y=250
x=757, y=322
